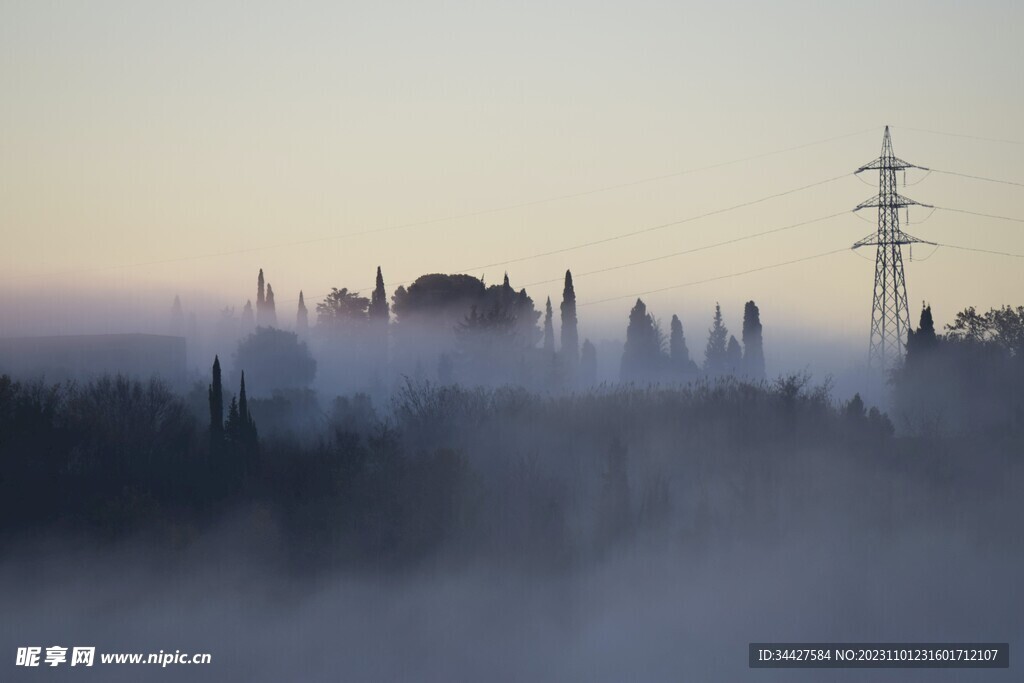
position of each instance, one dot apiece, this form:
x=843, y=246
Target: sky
x=153, y=149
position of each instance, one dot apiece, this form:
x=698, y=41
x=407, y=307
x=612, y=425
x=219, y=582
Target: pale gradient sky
x=134, y=132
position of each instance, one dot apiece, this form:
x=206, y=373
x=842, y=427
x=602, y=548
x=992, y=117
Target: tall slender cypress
x=243, y=403
x=679, y=353
x=570, y=334
x=753, y=345
x=248, y=425
x=378, y=309
x=270, y=317
x=733, y=356
x=261, y=298
x=302, y=318
x=216, y=395
x=379, y=314
x=549, y=330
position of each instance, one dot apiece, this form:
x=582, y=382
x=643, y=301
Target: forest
x=509, y=451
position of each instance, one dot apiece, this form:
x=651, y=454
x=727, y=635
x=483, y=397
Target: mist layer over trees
x=479, y=459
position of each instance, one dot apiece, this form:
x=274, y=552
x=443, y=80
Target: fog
x=650, y=614
x=212, y=325
x=453, y=481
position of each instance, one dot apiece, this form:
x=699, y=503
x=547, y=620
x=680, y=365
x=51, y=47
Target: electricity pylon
x=890, y=318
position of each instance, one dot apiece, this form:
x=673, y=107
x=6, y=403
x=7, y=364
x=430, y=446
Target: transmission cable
x=977, y=177
x=652, y=228
x=719, y=277
x=961, y=135
x=694, y=249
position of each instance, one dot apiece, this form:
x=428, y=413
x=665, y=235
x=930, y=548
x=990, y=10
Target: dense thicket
x=968, y=381
x=539, y=480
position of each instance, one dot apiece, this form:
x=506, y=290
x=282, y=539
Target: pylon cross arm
x=889, y=164
x=895, y=201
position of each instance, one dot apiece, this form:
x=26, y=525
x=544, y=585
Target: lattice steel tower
x=890, y=318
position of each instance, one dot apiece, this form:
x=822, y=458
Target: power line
x=963, y=135
x=652, y=228
x=714, y=279
x=979, y=250
x=975, y=177
x=693, y=250
x=461, y=216
x=983, y=215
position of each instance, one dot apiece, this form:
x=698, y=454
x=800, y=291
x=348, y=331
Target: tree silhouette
x=378, y=313
x=923, y=341
x=679, y=353
x=341, y=309
x=261, y=299
x=967, y=381
x=570, y=349
x=549, y=330
x=277, y=359
x=488, y=343
x=378, y=309
x=270, y=308
x=753, y=346
x=302, y=318
x=733, y=356
x=240, y=428
x=216, y=395
x=438, y=298
x=641, y=356
x=715, y=353
x=1002, y=328
x=248, y=425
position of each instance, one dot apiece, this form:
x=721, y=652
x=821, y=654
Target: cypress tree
x=641, y=355
x=753, y=346
x=243, y=403
x=378, y=313
x=271, y=310
x=923, y=340
x=679, y=353
x=216, y=395
x=302, y=318
x=260, y=299
x=378, y=309
x=247, y=426
x=715, y=352
x=570, y=335
x=733, y=356
x=549, y=330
